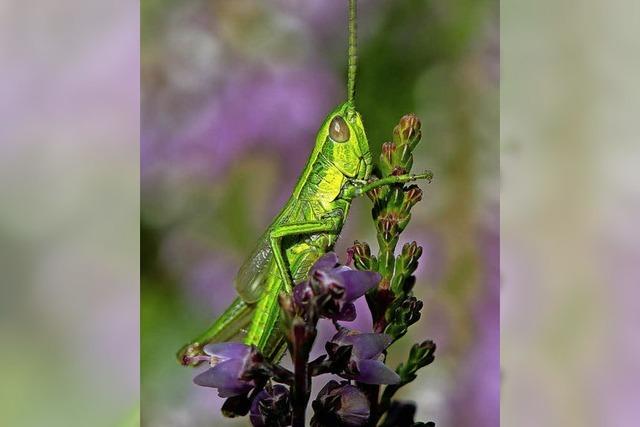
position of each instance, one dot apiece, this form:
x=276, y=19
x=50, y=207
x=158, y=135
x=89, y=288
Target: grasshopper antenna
x=351, y=78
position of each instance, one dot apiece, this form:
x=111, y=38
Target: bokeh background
x=570, y=204
x=69, y=204
x=232, y=95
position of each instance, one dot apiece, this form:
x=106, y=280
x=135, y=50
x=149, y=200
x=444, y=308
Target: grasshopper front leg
x=354, y=191
x=268, y=310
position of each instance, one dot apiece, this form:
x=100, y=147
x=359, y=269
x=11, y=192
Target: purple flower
x=271, y=407
x=340, y=405
x=228, y=362
x=364, y=364
x=336, y=286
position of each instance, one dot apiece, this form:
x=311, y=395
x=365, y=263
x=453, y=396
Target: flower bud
x=403, y=221
x=422, y=354
x=377, y=194
x=271, y=407
x=236, y=406
x=364, y=364
x=401, y=315
x=362, y=258
x=362, y=250
x=407, y=131
x=332, y=288
x=340, y=405
x=410, y=310
x=408, y=259
x=406, y=136
x=387, y=226
x=412, y=195
x=386, y=158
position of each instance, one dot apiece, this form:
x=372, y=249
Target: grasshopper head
x=345, y=142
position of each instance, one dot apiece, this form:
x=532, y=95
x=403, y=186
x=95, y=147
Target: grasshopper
x=337, y=171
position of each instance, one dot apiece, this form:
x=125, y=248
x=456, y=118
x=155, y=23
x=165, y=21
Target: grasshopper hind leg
x=231, y=325
x=276, y=348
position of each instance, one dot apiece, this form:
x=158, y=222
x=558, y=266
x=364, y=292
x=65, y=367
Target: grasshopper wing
x=251, y=278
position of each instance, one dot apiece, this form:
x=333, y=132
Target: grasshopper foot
x=189, y=354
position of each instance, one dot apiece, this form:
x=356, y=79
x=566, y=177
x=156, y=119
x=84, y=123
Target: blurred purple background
x=69, y=226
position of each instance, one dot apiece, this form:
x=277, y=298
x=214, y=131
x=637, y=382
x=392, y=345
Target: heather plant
x=275, y=396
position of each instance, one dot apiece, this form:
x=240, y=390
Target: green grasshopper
x=337, y=171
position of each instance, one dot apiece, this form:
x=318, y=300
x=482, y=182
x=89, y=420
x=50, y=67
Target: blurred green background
x=232, y=95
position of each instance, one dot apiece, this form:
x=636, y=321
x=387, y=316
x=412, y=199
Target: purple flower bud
x=372, y=371
x=355, y=283
x=336, y=286
x=302, y=292
x=228, y=362
x=365, y=364
x=271, y=407
x=340, y=405
x=325, y=262
x=365, y=345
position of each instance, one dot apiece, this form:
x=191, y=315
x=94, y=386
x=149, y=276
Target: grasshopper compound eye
x=338, y=130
